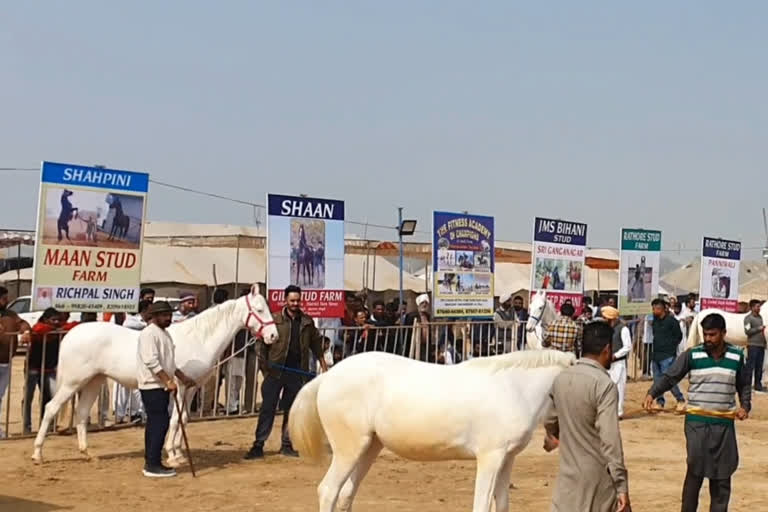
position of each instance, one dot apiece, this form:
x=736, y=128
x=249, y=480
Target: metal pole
x=7, y=398
x=237, y=268
x=375, y=257
x=400, y=239
x=18, y=270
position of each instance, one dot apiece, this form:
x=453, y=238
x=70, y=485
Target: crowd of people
x=586, y=402
x=597, y=335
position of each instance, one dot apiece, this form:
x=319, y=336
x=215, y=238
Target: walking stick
x=184, y=434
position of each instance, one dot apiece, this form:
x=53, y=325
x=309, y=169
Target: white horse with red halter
x=91, y=352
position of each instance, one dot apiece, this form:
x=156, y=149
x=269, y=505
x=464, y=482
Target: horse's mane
x=525, y=359
x=204, y=324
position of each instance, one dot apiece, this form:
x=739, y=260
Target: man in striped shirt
x=717, y=372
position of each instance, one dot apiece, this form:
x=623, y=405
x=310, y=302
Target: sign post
x=305, y=247
x=559, y=248
x=719, y=286
x=90, y=226
x=639, y=270
x=463, y=264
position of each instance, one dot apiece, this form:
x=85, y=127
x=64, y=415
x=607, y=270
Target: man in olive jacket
x=285, y=365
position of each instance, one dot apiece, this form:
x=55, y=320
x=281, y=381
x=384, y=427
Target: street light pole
x=400, y=239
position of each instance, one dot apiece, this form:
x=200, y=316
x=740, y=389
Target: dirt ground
x=654, y=447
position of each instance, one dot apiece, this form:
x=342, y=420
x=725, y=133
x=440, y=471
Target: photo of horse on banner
x=308, y=253
x=88, y=218
x=559, y=275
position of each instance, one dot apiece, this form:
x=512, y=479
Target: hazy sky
x=643, y=115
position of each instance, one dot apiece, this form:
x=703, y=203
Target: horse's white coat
x=734, y=327
x=541, y=313
x=91, y=352
x=485, y=408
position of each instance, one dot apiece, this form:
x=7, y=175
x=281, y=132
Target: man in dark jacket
x=42, y=360
x=666, y=337
x=755, y=331
x=285, y=365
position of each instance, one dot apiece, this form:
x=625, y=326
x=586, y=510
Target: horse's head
x=66, y=193
x=537, y=310
x=259, y=320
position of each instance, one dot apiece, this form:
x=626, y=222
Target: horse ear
x=254, y=289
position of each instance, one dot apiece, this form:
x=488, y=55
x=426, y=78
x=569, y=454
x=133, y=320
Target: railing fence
x=232, y=390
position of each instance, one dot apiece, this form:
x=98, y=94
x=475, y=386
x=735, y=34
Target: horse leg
x=489, y=466
x=352, y=484
x=345, y=459
x=63, y=394
x=501, y=493
x=174, y=438
x=170, y=437
x=88, y=395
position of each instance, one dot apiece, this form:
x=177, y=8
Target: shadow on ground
x=22, y=505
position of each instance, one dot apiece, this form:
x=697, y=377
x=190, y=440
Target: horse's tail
x=693, y=333
x=306, y=429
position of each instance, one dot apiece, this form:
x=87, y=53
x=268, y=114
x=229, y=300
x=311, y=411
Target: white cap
x=505, y=297
x=421, y=299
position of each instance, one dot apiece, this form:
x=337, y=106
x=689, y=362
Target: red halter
x=262, y=323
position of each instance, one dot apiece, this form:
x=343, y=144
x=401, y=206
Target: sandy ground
x=654, y=447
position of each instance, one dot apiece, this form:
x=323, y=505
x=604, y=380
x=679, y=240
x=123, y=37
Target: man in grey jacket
x=755, y=330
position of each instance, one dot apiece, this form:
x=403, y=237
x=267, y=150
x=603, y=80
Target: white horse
x=486, y=409
x=541, y=313
x=91, y=352
x=734, y=326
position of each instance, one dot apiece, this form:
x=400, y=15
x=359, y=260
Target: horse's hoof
x=37, y=459
x=86, y=455
x=177, y=462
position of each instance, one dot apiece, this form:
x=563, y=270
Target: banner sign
x=463, y=263
x=559, y=248
x=639, y=270
x=719, y=288
x=90, y=223
x=305, y=247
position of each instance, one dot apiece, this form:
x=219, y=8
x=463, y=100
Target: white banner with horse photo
x=89, y=238
x=720, y=262
x=639, y=270
x=305, y=247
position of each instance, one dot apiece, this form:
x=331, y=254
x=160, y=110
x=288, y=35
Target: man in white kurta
x=621, y=346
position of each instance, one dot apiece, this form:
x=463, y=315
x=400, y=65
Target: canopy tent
x=185, y=255
x=11, y=238
x=686, y=279
x=754, y=289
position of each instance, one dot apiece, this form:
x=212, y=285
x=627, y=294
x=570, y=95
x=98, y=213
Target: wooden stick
x=184, y=434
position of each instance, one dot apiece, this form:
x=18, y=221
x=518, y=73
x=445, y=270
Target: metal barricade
x=237, y=376
x=232, y=389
